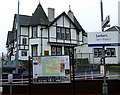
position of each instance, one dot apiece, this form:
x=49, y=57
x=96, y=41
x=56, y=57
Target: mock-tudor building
x=42, y=35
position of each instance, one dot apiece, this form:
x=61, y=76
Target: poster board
x=51, y=69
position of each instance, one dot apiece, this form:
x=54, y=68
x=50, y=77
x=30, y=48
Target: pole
x=105, y=87
x=17, y=39
x=101, y=5
x=29, y=76
x=2, y=62
x=74, y=92
x=10, y=88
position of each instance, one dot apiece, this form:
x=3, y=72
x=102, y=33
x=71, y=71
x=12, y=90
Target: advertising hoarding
x=103, y=39
x=51, y=69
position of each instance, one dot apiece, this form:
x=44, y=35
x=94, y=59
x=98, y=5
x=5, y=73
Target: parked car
x=10, y=67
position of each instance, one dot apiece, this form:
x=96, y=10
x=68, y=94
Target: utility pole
x=17, y=39
x=2, y=62
x=105, y=86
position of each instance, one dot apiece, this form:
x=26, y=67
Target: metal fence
x=88, y=67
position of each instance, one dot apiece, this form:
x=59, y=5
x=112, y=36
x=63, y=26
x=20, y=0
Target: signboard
x=106, y=21
x=103, y=39
x=10, y=78
x=51, y=69
x=102, y=70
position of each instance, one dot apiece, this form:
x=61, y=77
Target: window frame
x=110, y=52
x=58, y=33
x=35, y=46
x=46, y=52
x=56, y=50
x=98, y=52
x=63, y=33
x=68, y=34
x=24, y=41
x=70, y=50
x=34, y=33
x=24, y=53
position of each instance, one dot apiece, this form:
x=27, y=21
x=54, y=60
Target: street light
x=16, y=57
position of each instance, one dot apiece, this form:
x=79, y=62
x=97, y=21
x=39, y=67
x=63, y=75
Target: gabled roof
x=23, y=19
x=75, y=23
x=10, y=37
x=78, y=25
x=113, y=28
x=39, y=17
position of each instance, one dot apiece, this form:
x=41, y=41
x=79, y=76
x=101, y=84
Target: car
x=10, y=67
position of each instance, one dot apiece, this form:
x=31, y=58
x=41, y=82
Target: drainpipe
x=41, y=40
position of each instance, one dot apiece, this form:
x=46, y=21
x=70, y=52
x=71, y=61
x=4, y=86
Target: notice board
x=51, y=69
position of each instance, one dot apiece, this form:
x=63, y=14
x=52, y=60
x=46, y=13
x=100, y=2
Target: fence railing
x=18, y=79
x=23, y=79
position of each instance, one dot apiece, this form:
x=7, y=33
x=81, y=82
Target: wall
x=82, y=87
x=88, y=52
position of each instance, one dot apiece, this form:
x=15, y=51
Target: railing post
x=108, y=73
x=92, y=74
x=85, y=76
x=29, y=76
x=22, y=78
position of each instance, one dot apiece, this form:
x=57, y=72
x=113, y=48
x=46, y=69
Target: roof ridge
x=23, y=15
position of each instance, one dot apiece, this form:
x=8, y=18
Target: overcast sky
x=87, y=13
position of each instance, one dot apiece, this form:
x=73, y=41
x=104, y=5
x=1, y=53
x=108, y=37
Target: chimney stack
x=51, y=14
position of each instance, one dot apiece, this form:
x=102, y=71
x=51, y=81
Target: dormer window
x=34, y=32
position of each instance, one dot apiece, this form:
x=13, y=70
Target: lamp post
x=105, y=86
x=16, y=57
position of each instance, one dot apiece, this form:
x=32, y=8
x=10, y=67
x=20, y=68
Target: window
x=63, y=33
x=9, y=62
x=46, y=52
x=24, y=41
x=24, y=53
x=111, y=52
x=56, y=50
x=67, y=34
x=58, y=33
x=34, y=32
x=53, y=50
x=98, y=52
x=68, y=50
x=34, y=50
x=59, y=51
